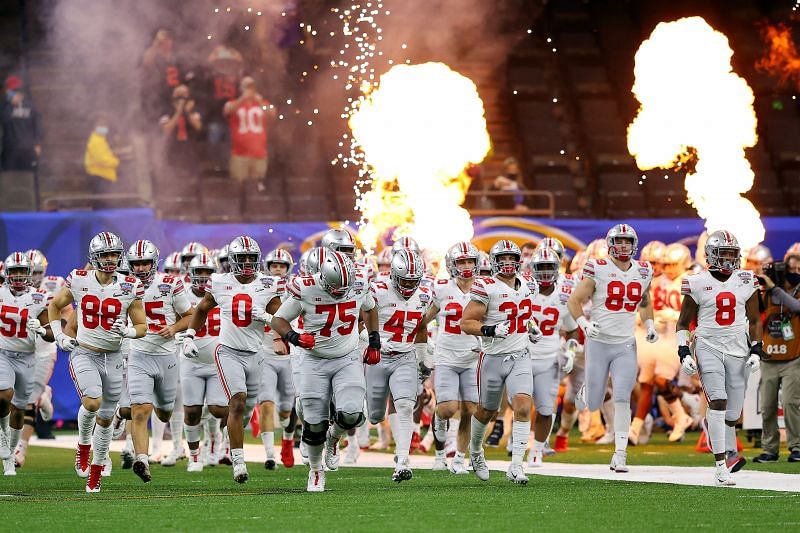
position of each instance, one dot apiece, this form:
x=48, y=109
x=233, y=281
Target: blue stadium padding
x=64, y=237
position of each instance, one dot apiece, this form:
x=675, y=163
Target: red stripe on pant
x=75, y=380
x=478, y=374
x=221, y=374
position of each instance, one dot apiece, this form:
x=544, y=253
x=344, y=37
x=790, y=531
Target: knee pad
x=348, y=421
x=315, y=434
x=192, y=432
x=404, y=406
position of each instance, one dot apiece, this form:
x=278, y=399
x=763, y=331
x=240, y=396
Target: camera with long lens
x=776, y=272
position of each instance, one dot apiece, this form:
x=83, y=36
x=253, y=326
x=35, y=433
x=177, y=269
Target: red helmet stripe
x=342, y=267
x=411, y=266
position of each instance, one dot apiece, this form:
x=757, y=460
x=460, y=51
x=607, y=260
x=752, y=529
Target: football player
x=727, y=343
x=105, y=300
x=500, y=311
x=277, y=387
x=653, y=252
x=456, y=355
x=246, y=299
x=401, y=308
x=199, y=381
x=24, y=310
x=658, y=366
x=173, y=266
x=41, y=397
x=153, y=361
x=484, y=265
x=189, y=252
x=618, y=287
x=550, y=312
x=384, y=260
x=330, y=303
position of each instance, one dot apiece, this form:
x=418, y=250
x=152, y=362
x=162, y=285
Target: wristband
x=682, y=336
x=572, y=345
x=374, y=340
x=190, y=333
x=488, y=331
x=582, y=322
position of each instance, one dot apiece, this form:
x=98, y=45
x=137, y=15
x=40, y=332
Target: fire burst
x=691, y=101
x=418, y=131
x=782, y=59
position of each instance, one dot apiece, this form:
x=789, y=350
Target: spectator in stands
x=479, y=184
x=162, y=74
x=509, y=181
x=22, y=129
x=248, y=125
x=528, y=249
x=225, y=70
x=100, y=161
x=182, y=127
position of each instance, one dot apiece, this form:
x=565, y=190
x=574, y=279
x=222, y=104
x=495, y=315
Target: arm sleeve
x=781, y=297
x=569, y=323
x=290, y=309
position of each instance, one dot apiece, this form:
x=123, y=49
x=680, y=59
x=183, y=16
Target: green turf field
x=47, y=494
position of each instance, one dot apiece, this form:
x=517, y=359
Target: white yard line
x=678, y=475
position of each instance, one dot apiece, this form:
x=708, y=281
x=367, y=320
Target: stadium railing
x=548, y=211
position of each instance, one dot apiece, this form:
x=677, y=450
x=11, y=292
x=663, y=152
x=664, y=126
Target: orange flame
x=782, y=59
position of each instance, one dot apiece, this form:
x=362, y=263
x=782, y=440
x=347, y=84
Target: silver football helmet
x=459, y=252
x=339, y=240
x=316, y=256
x=723, y=241
x=279, y=256
x=384, y=259
x=506, y=268
x=552, y=244
x=405, y=243
x=172, y=264
x=758, y=254
x=244, y=256
x=18, y=271
x=200, y=270
x=143, y=251
x=622, y=231
x=102, y=246
x=676, y=254
x=222, y=260
x=336, y=273
x=484, y=265
x=189, y=251
x=544, y=266
x=408, y=268
x=39, y=264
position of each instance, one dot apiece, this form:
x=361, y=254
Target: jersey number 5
x=6, y=320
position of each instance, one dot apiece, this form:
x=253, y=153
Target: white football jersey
x=616, y=297
x=207, y=338
x=98, y=306
x=552, y=315
x=15, y=311
x=398, y=318
x=52, y=284
x=237, y=301
x=722, y=309
x=453, y=346
x=504, y=303
x=164, y=300
x=333, y=321
x=666, y=294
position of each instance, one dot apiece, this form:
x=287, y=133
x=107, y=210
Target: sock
x=5, y=419
x=268, y=438
x=314, y=456
x=716, y=430
x=129, y=442
x=352, y=440
x=477, y=433
x=100, y=442
x=176, y=426
x=730, y=440
x=335, y=433
x=142, y=457
x=519, y=432
x=538, y=446
x=22, y=448
x=439, y=428
x=405, y=427
x=440, y=454
x=608, y=414
x=157, y=427
x=288, y=433
x=13, y=438
x=393, y=425
x=194, y=455
x=622, y=425
x=676, y=410
x=192, y=433
x=226, y=443
x=567, y=421
x=459, y=455
x=237, y=456
x=85, y=425
x=383, y=438
x=363, y=435
x=636, y=425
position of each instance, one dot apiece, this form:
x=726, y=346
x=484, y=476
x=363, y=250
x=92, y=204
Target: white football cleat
x=46, y=404
x=107, y=467
x=680, y=427
x=535, y=459
x=607, y=438
x=194, y=466
x=82, y=459
x=240, y=474
x=439, y=463
x=479, y=465
x=9, y=467
x=173, y=457
x=19, y=458
x=351, y=454
x=580, y=398
x=5, y=452
x=402, y=472
x=332, y=455
x=723, y=477
x=618, y=462
x=316, y=481
x=458, y=466
x=516, y=474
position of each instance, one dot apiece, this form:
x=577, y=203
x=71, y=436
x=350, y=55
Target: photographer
x=781, y=282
